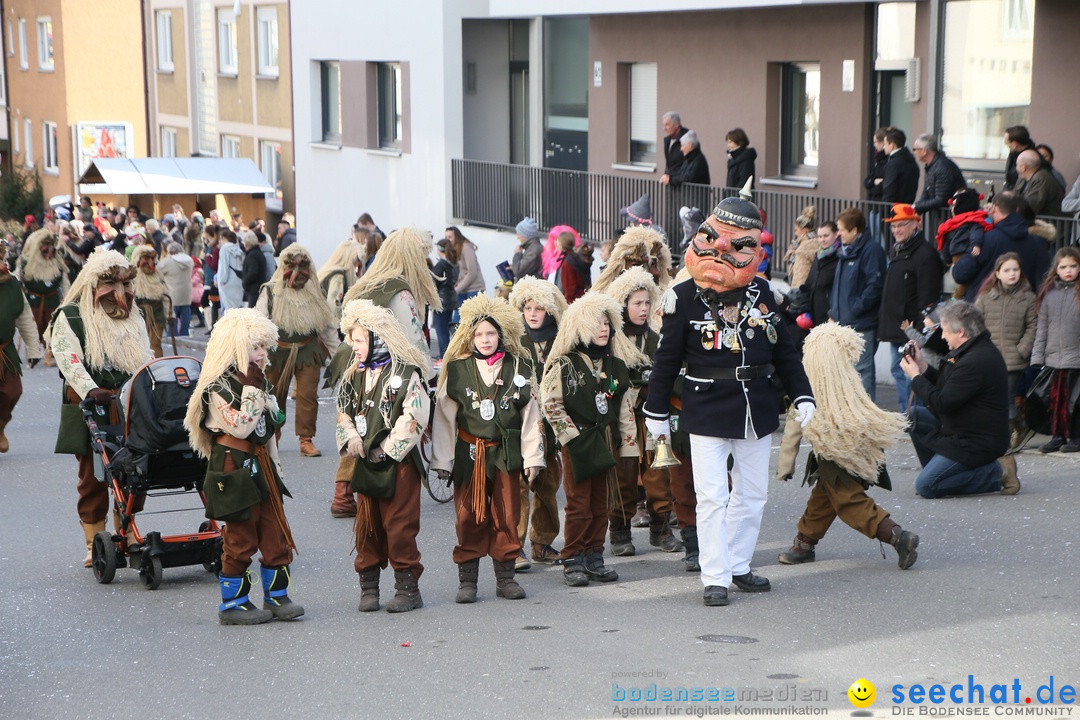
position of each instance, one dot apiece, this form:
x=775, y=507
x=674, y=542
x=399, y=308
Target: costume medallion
x=601, y=403
x=487, y=409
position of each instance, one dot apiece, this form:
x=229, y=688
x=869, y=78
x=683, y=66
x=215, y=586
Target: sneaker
x=641, y=517
x=1055, y=444
x=522, y=564
x=545, y=555
x=752, y=583
x=1071, y=446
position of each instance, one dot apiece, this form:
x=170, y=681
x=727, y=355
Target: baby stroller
x=149, y=455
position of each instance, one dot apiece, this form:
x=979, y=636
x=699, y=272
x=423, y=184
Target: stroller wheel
x=150, y=573
x=103, y=557
x=213, y=566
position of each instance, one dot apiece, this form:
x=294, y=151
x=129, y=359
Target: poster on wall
x=100, y=140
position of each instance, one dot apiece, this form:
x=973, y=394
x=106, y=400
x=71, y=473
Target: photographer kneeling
x=964, y=426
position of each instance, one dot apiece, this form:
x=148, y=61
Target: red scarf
x=975, y=216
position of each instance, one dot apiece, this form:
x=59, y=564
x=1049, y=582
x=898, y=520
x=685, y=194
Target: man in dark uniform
x=725, y=324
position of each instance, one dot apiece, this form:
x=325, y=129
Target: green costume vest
x=324, y=282
x=311, y=351
x=154, y=309
x=380, y=296
x=42, y=291
x=590, y=452
x=11, y=306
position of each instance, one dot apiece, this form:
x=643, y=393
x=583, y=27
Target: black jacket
x=969, y=395
x=287, y=238
x=943, y=178
x=1011, y=176
x=673, y=156
x=740, y=166
x=912, y=282
x=901, y=177
x=253, y=273
x=873, y=189
x=694, y=169
x=818, y=287
x=1009, y=235
x=445, y=275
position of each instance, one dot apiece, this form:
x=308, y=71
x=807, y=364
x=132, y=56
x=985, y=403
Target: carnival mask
x=48, y=247
x=650, y=261
x=114, y=294
x=297, y=272
x=723, y=257
x=148, y=264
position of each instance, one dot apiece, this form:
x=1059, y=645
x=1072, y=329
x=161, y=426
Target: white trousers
x=728, y=524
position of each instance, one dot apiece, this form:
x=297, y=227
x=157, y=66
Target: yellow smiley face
x=862, y=693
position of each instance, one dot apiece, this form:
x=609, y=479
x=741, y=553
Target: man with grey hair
x=1037, y=185
x=961, y=426
x=942, y=179
x=694, y=167
x=673, y=154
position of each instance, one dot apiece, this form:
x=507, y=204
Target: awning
x=175, y=176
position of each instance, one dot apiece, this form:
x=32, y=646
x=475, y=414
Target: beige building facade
x=71, y=96
x=219, y=84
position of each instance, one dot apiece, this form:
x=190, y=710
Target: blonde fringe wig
x=403, y=255
x=637, y=243
x=123, y=344
x=542, y=293
x=35, y=267
x=345, y=257
x=848, y=428
x=235, y=335
x=382, y=322
x=300, y=311
x=578, y=327
x=634, y=279
x=473, y=311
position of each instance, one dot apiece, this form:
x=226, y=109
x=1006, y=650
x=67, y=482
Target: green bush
x=20, y=194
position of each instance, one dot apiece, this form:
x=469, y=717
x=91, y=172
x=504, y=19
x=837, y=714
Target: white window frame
x=230, y=146
x=330, y=102
x=50, y=158
x=11, y=37
x=46, y=58
x=16, y=140
x=28, y=142
x=163, y=22
x=228, y=54
x=269, y=152
x=168, y=142
x=24, y=53
x=641, y=114
x=390, y=105
x=267, y=40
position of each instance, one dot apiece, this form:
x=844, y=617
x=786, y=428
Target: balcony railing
x=498, y=195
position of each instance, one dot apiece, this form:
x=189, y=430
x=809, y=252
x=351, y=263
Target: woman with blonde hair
x=339, y=273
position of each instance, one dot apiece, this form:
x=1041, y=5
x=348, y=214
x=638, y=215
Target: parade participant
x=15, y=314
x=307, y=338
x=383, y=409
x=584, y=394
x=542, y=306
x=487, y=432
x=339, y=273
x=151, y=295
x=44, y=280
x=231, y=419
x=636, y=291
x=725, y=324
x=98, y=344
x=638, y=246
x=849, y=436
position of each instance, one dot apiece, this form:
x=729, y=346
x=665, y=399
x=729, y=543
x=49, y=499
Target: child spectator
x=1057, y=345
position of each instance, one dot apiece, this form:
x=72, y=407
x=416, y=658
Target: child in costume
x=584, y=395
x=383, y=410
x=542, y=306
x=487, y=431
x=231, y=419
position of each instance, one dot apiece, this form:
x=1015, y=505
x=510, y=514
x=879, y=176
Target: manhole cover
x=782, y=676
x=731, y=639
x=541, y=667
x=536, y=627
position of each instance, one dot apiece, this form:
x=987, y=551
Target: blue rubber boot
x=275, y=582
x=236, y=608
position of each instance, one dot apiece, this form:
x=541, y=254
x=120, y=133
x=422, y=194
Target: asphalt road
x=993, y=595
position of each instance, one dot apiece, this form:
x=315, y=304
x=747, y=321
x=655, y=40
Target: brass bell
x=663, y=457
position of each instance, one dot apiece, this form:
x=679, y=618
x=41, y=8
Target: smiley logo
x=862, y=693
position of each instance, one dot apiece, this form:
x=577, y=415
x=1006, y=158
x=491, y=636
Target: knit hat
x=527, y=229
x=640, y=212
x=965, y=200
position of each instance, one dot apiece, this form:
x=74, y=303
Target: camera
x=908, y=351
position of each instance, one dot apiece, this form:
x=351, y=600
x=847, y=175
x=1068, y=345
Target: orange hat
x=902, y=212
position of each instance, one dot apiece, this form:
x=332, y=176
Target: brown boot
x=905, y=542
x=4, y=446
x=344, y=503
x=467, y=573
x=505, y=584
x=307, y=449
x=407, y=592
x=622, y=545
x=802, y=551
x=660, y=534
x=1010, y=482
x=641, y=516
x=89, y=531
x=369, y=589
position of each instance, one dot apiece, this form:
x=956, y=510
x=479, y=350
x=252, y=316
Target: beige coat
x=1011, y=320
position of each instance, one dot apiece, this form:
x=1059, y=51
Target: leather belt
x=235, y=443
x=741, y=373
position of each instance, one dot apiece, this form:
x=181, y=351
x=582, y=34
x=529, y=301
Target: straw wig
x=402, y=256
x=474, y=311
x=542, y=293
x=33, y=265
x=235, y=335
x=381, y=321
x=636, y=246
x=847, y=428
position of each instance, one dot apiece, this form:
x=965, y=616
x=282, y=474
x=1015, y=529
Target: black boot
x=801, y=551
x=621, y=543
x=369, y=589
x=505, y=584
x=595, y=569
x=406, y=593
x=467, y=574
x=690, y=544
x=660, y=534
x=574, y=571
x=905, y=543
x=275, y=582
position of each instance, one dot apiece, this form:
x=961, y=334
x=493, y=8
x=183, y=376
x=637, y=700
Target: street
x=993, y=595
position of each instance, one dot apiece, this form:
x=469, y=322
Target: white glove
x=803, y=412
x=657, y=428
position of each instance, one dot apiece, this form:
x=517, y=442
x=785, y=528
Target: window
x=642, y=113
x=28, y=141
x=164, y=41
x=270, y=156
x=389, y=105
x=268, y=41
x=49, y=157
x=801, y=88
x=10, y=39
x=227, y=53
x=168, y=142
x=230, y=146
x=24, y=58
x=986, y=75
x=330, y=98
x=44, y=44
